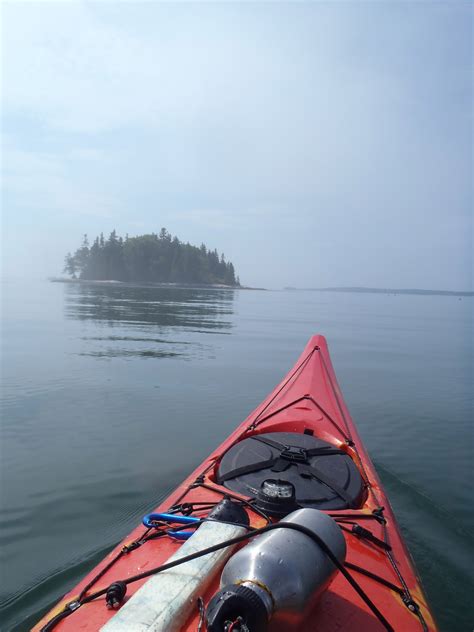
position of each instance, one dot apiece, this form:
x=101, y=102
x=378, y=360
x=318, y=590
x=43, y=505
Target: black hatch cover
x=324, y=477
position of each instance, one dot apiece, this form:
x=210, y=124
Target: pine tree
x=70, y=265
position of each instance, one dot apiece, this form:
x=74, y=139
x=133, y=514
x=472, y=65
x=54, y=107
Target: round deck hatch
x=323, y=476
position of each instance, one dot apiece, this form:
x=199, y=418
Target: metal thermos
x=277, y=574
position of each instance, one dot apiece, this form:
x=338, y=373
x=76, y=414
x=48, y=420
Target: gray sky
x=315, y=144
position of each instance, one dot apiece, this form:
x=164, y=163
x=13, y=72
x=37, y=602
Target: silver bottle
x=283, y=570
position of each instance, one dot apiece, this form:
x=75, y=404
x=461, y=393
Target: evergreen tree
x=82, y=255
x=70, y=265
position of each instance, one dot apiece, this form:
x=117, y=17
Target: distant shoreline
x=376, y=290
x=208, y=286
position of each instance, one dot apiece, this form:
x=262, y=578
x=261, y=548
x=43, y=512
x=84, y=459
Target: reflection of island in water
x=150, y=322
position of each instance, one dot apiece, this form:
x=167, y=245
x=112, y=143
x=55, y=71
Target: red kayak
x=285, y=526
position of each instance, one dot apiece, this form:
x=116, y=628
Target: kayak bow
x=285, y=526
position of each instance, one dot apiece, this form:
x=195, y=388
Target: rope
x=237, y=540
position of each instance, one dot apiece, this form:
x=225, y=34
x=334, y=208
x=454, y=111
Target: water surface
x=113, y=393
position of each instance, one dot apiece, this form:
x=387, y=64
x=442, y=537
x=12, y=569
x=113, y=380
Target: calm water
x=112, y=394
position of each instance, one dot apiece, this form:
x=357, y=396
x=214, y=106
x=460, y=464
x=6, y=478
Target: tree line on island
x=149, y=258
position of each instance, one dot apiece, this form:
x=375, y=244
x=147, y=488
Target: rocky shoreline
x=207, y=286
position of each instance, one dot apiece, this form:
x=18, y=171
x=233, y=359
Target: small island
x=153, y=258
x=379, y=290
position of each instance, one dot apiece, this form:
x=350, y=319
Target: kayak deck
x=308, y=401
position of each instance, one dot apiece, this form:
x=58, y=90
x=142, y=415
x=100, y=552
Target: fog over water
x=316, y=144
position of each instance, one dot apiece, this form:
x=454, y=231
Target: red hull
x=308, y=398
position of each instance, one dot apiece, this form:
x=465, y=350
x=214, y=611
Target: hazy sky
x=315, y=144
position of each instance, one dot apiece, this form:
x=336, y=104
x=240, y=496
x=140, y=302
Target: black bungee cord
x=71, y=607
